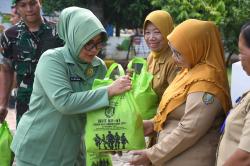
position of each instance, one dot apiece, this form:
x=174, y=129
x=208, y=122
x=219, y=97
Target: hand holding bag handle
x=107, y=80
x=143, y=93
x=138, y=60
x=144, y=79
x=112, y=68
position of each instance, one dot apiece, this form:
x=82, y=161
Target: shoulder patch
x=208, y=98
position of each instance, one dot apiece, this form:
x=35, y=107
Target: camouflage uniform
x=22, y=50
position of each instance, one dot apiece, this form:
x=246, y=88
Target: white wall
x=240, y=82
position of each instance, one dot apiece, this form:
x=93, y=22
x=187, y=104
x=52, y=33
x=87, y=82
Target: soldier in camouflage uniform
x=22, y=46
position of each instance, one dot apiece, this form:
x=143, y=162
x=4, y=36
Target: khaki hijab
x=163, y=21
x=199, y=42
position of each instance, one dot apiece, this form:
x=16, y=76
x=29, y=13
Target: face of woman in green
x=244, y=54
x=91, y=49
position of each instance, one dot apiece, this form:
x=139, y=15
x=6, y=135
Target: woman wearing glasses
x=50, y=132
x=193, y=106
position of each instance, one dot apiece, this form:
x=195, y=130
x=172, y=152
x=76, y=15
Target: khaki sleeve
x=197, y=120
x=244, y=140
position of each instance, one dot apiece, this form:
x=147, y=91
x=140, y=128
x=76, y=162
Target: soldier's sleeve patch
x=208, y=98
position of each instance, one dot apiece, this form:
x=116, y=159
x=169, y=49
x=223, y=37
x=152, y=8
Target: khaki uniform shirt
x=237, y=131
x=163, y=70
x=190, y=135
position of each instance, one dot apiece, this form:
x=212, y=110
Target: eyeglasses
x=98, y=46
x=176, y=55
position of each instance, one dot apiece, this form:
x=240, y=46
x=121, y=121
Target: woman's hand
x=119, y=86
x=148, y=126
x=139, y=158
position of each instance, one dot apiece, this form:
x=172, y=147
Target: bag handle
x=4, y=125
x=138, y=60
x=112, y=68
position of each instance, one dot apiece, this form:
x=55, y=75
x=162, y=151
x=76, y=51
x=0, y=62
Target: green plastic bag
x=143, y=93
x=116, y=127
x=98, y=159
x=6, y=155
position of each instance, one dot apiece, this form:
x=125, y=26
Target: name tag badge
x=75, y=78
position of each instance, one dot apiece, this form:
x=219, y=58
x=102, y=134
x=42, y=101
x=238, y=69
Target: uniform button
x=158, y=76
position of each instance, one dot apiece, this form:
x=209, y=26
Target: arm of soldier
x=6, y=79
x=242, y=155
x=197, y=120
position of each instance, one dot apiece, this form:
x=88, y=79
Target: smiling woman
x=157, y=25
x=92, y=48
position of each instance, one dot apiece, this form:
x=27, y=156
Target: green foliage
x=237, y=13
x=120, y=13
x=124, y=13
x=128, y=14
x=229, y=15
x=51, y=6
x=5, y=18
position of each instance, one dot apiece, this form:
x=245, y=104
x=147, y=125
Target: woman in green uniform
x=49, y=134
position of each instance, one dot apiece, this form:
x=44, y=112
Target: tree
x=237, y=13
x=126, y=14
x=51, y=6
x=228, y=15
x=121, y=13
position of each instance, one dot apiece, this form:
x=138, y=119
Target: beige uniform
x=163, y=70
x=237, y=131
x=190, y=135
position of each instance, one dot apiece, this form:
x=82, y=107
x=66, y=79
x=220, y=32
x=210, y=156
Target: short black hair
x=245, y=31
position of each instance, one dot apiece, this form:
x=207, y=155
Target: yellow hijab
x=163, y=21
x=199, y=43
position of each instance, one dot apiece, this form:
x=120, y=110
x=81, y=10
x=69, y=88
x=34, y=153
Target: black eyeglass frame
x=98, y=46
